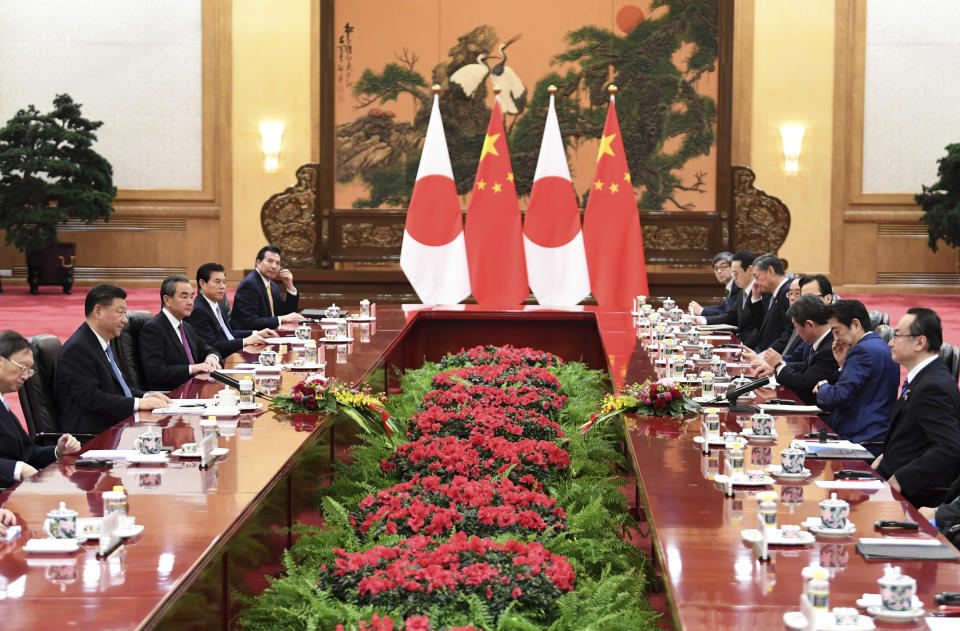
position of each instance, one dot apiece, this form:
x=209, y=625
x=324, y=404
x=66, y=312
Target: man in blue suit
x=259, y=302
x=19, y=457
x=921, y=447
x=208, y=319
x=860, y=395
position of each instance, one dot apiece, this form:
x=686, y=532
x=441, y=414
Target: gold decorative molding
x=371, y=235
x=175, y=224
x=883, y=216
x=675, y=237
x=111, y=274
x=902, y=230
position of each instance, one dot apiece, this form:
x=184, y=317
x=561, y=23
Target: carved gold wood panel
x=760, y=221
x=290, y=219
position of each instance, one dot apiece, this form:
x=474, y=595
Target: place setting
x=791, y=466
x=833, y=520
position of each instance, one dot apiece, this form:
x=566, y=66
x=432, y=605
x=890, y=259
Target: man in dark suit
x=809, y=317
x=208, y=318
x=19, y=457
x=259, y=302
x=946, y=517
x=741, y=311
x=91, y=392
x=170, y=350
x=721, y=269
x=923, y=441
x=770, y=278
x=860, y=395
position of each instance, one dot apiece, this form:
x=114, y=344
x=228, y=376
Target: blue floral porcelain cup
x=834, y=512
x=896, y=592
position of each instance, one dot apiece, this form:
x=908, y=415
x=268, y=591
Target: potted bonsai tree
x=48, y=174
x=941, y=202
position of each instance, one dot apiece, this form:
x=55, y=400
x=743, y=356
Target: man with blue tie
x=770, y=278
x=207, y=317
x=921, y=446
x=259, y=302
x=19, y=457
x=860, y=395
x=92, y=394
x=170, y=350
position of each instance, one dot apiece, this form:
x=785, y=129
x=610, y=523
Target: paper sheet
x=851, y=484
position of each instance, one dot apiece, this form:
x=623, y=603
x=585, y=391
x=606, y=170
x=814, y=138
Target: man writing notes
x=923, y=441
x=19, y=457
x=722, y=270
x=860, y=395
x=170, y=350
x=259, y=302
x=91, y=392
x=207, y=318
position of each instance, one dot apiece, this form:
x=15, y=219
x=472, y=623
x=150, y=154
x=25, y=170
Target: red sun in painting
x=629, y=17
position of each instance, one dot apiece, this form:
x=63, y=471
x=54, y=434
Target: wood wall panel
x=878, y=243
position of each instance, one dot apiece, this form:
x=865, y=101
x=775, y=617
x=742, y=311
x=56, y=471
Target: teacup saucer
x=888, y=615
x=796, y=620
x=777, y=471
x=179, y=453
x=742, y=480
x=748, y=433
x=310, y=366
x=875, y=600
x=814, y=525
x=752, y=535
x=51, y=546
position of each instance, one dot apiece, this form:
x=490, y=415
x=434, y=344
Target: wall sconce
x=792, y=138
x=271, y=135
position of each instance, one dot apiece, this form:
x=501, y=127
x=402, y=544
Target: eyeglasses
x=721, y=266
x=29, y=372
x=898, y=334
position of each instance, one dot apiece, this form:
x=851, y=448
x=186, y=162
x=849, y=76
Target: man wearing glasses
x=922, y=443
x=19, y=457
x=260, y=302
x=724, y=274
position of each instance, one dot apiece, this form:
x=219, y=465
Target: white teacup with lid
x=61, y=522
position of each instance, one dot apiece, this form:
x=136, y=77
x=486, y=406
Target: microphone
x=233, y=383
x=736, y=393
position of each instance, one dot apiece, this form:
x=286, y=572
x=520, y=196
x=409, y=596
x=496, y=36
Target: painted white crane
x=470, y=76
x=512, y=98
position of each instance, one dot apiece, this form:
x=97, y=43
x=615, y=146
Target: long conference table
x=216, y=532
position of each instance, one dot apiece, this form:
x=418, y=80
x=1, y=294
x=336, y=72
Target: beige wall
x=793, y=83
x=272, y=51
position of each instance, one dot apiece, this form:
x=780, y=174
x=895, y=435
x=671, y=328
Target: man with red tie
x=171, y=352
x=19, y=457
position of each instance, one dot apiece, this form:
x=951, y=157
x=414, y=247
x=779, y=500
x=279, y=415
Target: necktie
x=6, y=407
x=903, y=389
x=116, y=372
x=226, y=331
x=270, y=299
x=186, y=347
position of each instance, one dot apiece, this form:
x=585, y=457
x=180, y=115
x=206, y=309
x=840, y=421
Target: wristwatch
x=780, y=364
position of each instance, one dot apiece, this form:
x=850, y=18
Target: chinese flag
x=494, y=234
x=611, y=225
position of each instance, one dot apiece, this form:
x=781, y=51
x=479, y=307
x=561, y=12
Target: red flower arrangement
x=454, y=395
x=418, y=571
x=529, y=462
x=505, y=421
x=316, y=394
x=498, y=376
x=506, y=355
x=413, y=623
x=477, y=507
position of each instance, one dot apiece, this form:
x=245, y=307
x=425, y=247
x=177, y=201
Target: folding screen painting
x=662, y=55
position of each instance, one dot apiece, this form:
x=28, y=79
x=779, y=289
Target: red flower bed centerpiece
x=529, y=462
x=499, y=355
x=420, y=571
x=427, y=505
